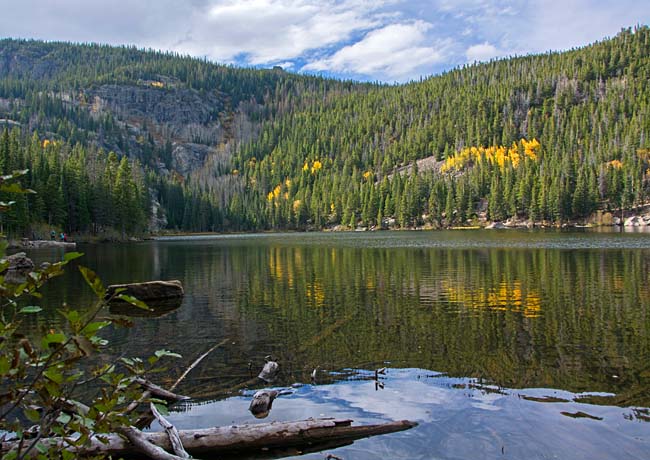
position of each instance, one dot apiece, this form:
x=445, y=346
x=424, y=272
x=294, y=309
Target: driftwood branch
x=160, y=392
x=172, y=433
x=147, y=418
x=196, y=363
x=277, y=435
x=143, y=445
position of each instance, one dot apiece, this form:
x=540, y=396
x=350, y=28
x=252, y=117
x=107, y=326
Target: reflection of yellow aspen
x=505, y=297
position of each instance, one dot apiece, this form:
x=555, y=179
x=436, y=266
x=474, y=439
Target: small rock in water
x=262, y=402
x=269, y=371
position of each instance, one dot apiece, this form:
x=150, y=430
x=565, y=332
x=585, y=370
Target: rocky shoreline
x=40, y=244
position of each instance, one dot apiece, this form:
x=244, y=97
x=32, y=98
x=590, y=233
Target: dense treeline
x=77, y=189
x=587, y=108
x=550, y=137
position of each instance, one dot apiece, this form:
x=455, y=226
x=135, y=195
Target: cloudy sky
x=386, y=40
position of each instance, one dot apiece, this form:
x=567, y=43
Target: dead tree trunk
x=306, y=433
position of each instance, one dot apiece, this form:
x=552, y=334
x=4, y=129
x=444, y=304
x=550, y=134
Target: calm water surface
x=502, y=344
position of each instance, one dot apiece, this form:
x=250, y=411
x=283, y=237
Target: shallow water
x=502, y=344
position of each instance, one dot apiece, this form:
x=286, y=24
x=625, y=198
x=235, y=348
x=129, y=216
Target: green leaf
x=52, y=339
x=162, y=409
x=4, y=364
x=11, y=455
x=72, y=256
x=54, y=375
x=93, y=281
x=32, y=415
x=41, y=448
x=63, y=418
x=161, y=353
x=31, y=309
x=71, y=315
x=94, y=327
x=133, y=301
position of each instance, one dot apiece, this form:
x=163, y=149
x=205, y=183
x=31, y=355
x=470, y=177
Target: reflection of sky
x=457, y=420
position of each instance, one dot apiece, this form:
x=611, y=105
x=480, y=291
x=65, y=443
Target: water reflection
x=458, y=418
x=517, y=309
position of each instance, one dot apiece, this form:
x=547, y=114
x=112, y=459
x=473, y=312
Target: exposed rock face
x=175, y=106
x=149, y=292
x=158, y=219
x=189, y=157
x=496, y=225
x=634, y=221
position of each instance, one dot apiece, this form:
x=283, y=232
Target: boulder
x=20, y=262
x=149, y=292
x=496, y=225
x=634, y=221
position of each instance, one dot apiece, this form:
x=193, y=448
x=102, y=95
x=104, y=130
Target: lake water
x=501, y=344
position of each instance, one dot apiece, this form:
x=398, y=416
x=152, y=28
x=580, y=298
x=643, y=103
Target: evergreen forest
x=116, y=139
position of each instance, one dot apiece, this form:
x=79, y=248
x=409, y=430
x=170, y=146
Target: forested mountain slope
x=549, y=137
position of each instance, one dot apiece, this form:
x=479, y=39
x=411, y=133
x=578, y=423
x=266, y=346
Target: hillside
x=546, y=138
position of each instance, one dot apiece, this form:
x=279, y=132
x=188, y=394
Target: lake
x=501, y=344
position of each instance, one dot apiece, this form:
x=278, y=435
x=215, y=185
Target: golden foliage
x=315, y=166
x=496, y=154
x=616, y=164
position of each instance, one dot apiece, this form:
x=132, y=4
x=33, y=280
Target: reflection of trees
x=570, y=319
x=576, y=320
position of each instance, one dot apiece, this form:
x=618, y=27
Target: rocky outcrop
x=637, y=221
x=189, y=157
x=496, y=225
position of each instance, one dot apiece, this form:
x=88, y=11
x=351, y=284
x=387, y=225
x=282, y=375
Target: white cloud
x=268, y=31
x=394, y=51
x=481, y=52
x=372, y=39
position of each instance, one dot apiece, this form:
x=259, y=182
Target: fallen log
x=276, y=435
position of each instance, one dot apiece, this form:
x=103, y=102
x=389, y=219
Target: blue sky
x=384, y=40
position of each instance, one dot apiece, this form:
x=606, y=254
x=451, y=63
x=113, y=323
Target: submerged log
x=276, y=435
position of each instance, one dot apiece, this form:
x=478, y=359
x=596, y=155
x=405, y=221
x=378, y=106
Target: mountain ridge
x=232, y=136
